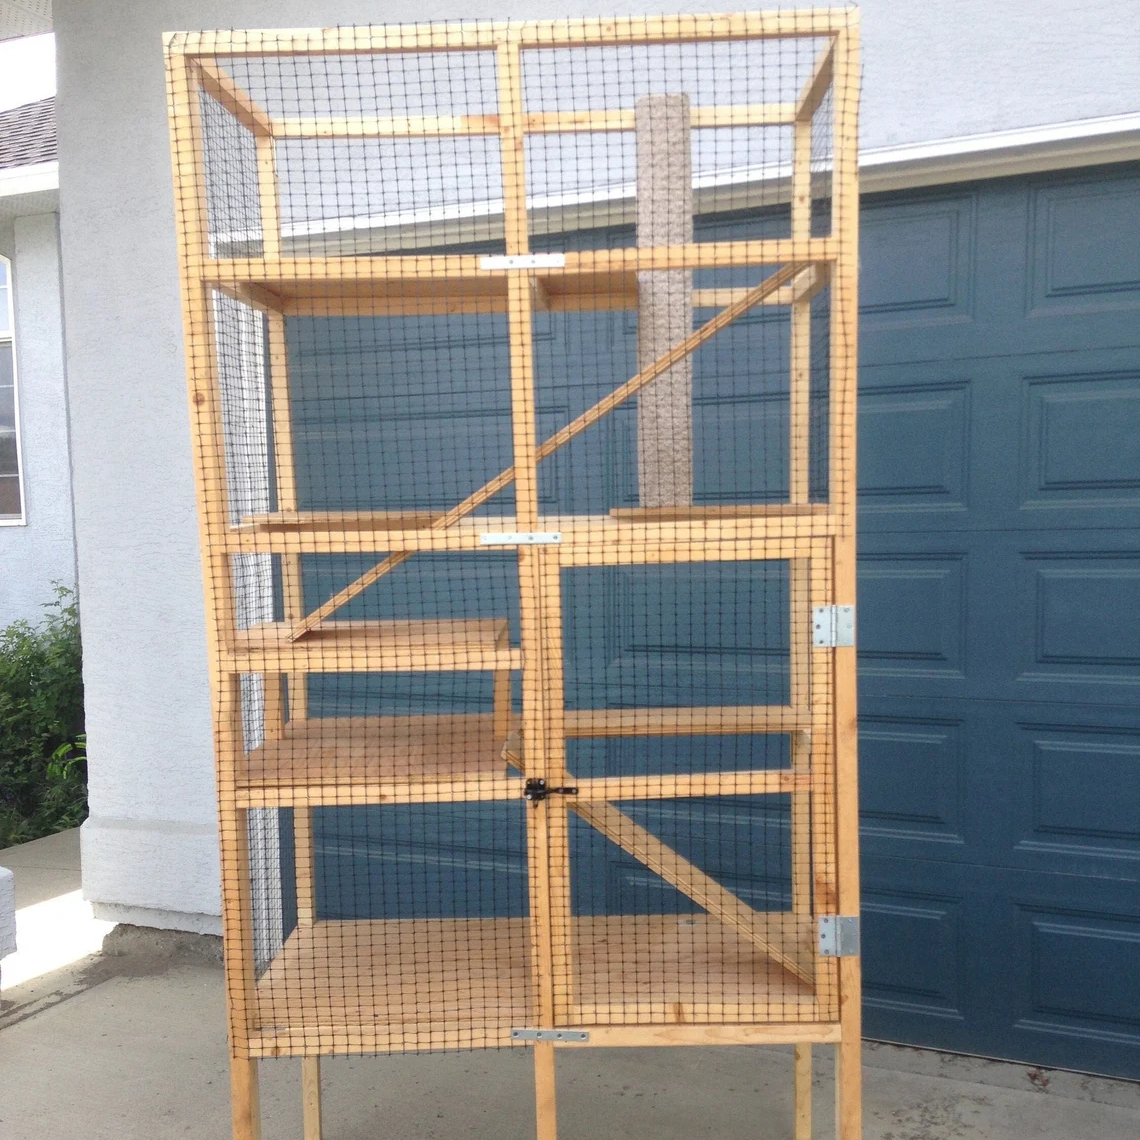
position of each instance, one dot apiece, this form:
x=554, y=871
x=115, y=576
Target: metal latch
x=520, y=538
x=838, y=935
x=549, y=1035
x=523, y=261
x=535, y=790
x=832, y=626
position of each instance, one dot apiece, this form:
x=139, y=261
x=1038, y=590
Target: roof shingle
x=27, y=134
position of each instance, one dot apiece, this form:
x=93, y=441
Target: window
x=11, y=497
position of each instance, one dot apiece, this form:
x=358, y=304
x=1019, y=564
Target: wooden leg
x=849, y=1054
x=311, y=1096
x=544, y=1091
x=245, y=1106
x=803, y=1092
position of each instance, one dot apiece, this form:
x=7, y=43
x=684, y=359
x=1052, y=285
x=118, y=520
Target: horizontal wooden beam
x=618, y=1036
x=357, y=270
x=615, y=31
x=716, y=720
x=385, y=128
x=747, y=115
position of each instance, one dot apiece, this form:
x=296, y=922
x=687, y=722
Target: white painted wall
x=42, y=551
x=933, y=70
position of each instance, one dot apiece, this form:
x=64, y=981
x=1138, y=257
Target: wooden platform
x=398, y=759
x=378, y=986
x=375, y=646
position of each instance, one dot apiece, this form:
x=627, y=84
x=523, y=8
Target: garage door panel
x=1053, y=788
x=917, y=977
x=913, y=780
x=1005, y=267
x=1075, y=625
x=1080, y=452
x=1072, y=789
x=1072, y=987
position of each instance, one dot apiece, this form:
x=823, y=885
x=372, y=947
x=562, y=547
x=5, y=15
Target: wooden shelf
x=378, y=986
x=460, y=757
x=398, y=759
x=479, y=644
x=562, y=292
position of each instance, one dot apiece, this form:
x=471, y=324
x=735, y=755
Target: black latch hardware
x=536, y=789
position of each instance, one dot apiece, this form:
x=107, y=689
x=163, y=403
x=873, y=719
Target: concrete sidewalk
x=130, y=1045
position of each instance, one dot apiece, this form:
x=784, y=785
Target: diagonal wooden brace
x=680, y=873
x=588, y=418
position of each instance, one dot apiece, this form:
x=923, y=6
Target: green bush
x=43, y=769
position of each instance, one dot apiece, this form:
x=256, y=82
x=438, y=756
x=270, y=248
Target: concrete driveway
x=129, y=1044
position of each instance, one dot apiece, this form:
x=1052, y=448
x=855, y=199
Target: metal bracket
x=520, y=538
x=549, y=1035
x=832, y=626
x=838, y=935
x=536, y=790
x=523, y=261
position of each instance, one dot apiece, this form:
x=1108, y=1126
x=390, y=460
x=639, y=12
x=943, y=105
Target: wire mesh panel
x=521, y=367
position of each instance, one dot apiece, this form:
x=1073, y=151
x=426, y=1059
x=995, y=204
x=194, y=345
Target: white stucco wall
x=933, y=70
x=42, y=551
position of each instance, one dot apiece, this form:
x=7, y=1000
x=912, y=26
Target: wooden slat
x=221, y=88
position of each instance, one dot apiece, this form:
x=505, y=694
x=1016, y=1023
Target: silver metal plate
x=523, y=261
x=832, y=626
x=549, y=1035
x=520, y=538
x=838, y=935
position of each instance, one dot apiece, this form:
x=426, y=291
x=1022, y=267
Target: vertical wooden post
x=218, y=585
x=665, y=300
x=311, y=1097
x=544, y=833
x=802, y=1087
x=799, y=462
x=844, y=348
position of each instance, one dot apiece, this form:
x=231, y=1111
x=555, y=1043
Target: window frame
x=9, y=338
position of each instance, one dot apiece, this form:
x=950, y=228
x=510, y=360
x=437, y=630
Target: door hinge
x=832, y=626
x=549, y=1035
x=536, y=789
x=838, y=935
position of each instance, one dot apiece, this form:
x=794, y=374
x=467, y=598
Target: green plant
x=43, y=784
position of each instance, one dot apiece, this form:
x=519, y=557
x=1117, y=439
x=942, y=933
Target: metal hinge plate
x=549, y=1035
x=832, y=626
x=838, y=935
x=521, y=538
x=523, y=261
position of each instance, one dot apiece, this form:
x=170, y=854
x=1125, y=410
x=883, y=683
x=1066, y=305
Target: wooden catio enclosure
x=522, y=385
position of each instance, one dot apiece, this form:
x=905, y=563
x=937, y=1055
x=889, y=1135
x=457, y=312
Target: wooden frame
x=820, y=1003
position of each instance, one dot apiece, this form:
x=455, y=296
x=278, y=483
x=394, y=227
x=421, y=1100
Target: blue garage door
x=1000, y=618
x=999, y=605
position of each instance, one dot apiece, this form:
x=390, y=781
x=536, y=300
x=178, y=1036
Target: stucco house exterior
x=999, y=608
x=37, y=541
